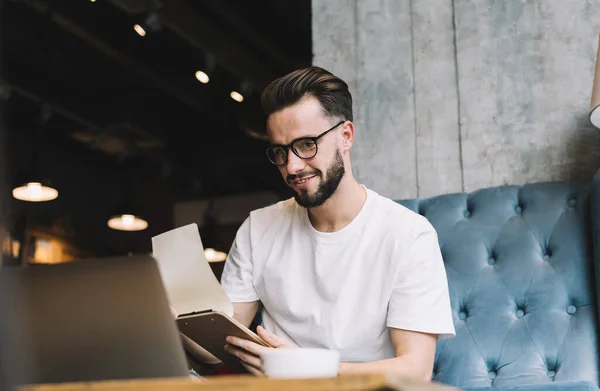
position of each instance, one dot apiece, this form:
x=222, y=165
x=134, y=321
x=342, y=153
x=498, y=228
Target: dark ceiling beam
x=120, y=57
x=66, y=113
x=79, y=117
x=201, y=32
x=214, y=173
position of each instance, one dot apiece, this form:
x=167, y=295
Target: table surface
x=250, y=383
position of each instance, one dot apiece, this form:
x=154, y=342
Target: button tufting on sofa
x=572, y=203
x=528, y=320
x=547, y=254
x=467, y=213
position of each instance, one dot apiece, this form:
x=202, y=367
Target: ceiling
x=100, y=108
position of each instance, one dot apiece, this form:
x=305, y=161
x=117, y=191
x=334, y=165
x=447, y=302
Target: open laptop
x=95, y=319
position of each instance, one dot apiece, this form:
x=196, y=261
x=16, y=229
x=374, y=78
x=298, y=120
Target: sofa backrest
x=520, y=267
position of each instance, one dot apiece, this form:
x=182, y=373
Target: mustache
x=293, y=177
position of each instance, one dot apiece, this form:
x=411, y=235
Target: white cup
x=301, y=363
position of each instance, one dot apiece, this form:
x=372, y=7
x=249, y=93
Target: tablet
x=209, y=330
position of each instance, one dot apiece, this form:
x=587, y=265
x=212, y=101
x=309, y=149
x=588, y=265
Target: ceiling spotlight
x=93, y=1
x=236, y=96
x=35, y=192
x=127, y=222
x=140, y=30
x=202, y=77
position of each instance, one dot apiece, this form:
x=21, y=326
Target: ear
x=347, y=135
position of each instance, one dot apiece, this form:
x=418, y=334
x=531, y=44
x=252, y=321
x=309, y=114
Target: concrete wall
x=456, y=95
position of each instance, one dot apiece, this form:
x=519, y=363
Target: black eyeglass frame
x=291, y=145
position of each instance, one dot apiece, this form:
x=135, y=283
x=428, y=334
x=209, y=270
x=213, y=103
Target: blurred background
x=145, y=112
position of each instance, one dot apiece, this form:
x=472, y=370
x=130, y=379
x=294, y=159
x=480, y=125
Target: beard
x=326, y=188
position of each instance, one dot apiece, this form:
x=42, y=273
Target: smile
x=300, y=183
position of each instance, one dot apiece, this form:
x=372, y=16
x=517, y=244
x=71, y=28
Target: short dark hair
x=331, y=91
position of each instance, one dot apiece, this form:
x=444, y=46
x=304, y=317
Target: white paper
x=190, y=282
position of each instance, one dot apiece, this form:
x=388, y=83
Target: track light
x=140, y=30
x=202, y=77
x=152, y=23
x=236, y=96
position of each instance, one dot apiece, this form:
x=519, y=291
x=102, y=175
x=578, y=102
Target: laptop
x=89, y=320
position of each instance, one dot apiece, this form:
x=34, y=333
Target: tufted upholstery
x=520, y=264
x=564, y=386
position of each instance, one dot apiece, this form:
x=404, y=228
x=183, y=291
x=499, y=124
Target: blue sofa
x=522, y=262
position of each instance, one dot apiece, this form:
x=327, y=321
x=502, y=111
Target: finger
x=247, y=345
x=244, y=356
x=272, y=339
x=252, y=370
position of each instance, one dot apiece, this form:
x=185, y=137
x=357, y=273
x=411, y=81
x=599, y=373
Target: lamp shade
x=595, y=103
x=127, y=222
x=34, y=192
x=127, y=217
x=33, y=185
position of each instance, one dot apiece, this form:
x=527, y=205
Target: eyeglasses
x=303, y=147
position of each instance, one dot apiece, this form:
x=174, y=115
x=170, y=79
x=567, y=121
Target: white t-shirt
x=341, y=290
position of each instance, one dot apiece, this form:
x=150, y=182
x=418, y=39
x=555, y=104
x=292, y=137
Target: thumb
x=272, y=339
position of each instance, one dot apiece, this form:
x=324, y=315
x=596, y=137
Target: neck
x=341, y=208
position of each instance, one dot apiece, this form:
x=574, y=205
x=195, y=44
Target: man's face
x=313, y=180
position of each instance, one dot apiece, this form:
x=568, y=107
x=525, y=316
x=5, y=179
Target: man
x=338, y=266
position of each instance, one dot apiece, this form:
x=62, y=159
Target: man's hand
x=198, y=352
x=249, y=352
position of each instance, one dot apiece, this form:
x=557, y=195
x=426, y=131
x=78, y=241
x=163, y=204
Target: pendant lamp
x=34, y=192
x=209, y=233
x=33, y=185
x=127, y=222
x=126, y=216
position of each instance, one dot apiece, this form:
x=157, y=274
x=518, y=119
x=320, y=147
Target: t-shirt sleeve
x=237, y=278
x=420, y=298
